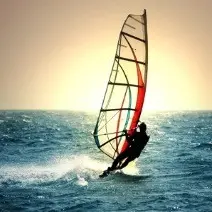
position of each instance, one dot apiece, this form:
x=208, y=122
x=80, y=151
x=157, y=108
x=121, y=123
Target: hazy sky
x=58, y=54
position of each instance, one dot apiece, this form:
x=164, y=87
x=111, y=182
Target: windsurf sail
x=124, y=96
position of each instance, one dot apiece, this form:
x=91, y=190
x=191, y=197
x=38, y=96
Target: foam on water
x=80, y=166
x=81, y=181
x=27, y=120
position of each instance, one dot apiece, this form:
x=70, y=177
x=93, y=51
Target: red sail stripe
x=139, y=102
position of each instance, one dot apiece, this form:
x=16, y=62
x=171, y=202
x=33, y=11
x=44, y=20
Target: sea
x=50, y=162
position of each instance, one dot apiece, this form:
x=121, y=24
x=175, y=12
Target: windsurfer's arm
x=128, y=137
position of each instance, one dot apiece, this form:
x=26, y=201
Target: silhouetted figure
x=137, y=141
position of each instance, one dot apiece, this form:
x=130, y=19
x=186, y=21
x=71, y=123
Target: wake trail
x=78, y=167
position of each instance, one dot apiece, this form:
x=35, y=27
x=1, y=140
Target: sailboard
x=125, y=92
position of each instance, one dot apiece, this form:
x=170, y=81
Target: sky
x=59, y=54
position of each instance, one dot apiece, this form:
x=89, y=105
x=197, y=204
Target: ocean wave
x=27, y=120
x=206, y=146
x=26, y=116
x=87, y=205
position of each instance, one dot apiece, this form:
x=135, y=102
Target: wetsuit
x=137, y=142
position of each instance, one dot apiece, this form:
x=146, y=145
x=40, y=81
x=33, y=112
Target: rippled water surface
x=49, y=162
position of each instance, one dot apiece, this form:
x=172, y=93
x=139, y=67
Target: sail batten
x=124, y=84
x=115, y=109
x=124, y=96
x=130, y=26
x=124, y=33
x=131, y=16
x=130, y=60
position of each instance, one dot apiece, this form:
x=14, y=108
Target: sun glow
x=57, y=61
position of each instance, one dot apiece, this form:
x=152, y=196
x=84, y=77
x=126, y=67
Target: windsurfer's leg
x=119, y=158
x=129, y=159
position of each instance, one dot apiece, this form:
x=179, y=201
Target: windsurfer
x=137, y=141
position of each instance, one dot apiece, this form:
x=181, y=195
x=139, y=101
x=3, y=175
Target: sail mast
x=146, y=46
